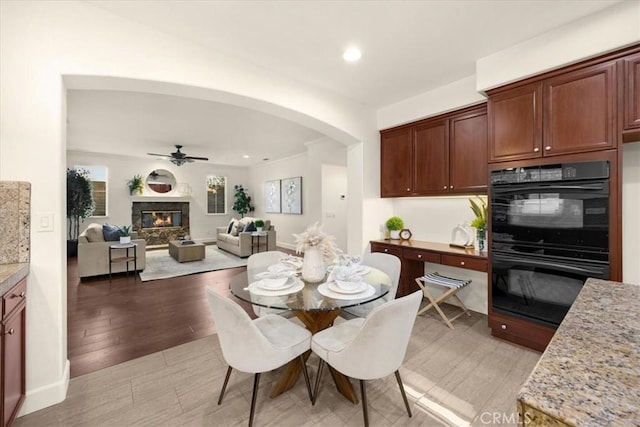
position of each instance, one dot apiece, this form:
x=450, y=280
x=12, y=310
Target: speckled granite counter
x=589, y=375
x=10, y=274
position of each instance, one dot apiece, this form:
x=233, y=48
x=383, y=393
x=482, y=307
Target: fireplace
x=160, y=222
x=161, y=219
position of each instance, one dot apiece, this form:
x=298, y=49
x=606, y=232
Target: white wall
x=42, y=44
x=122, y=168
x=631, y=215
x=334, y=202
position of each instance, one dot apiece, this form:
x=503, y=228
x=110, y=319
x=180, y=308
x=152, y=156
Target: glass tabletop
x=298, y=295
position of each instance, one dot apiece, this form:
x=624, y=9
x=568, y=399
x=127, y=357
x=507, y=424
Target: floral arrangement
x=480, y=211
x=314, y=236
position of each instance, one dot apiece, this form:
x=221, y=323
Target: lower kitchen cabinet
x=12, y=349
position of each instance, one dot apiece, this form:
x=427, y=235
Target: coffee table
x=186, y=253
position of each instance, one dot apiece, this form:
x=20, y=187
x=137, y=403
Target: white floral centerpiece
x=319, y=249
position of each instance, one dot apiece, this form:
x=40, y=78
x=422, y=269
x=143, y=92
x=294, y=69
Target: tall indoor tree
x=242, y=204
x=80, y=205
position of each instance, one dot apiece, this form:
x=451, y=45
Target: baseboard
x=47, y=395
x=286, y=245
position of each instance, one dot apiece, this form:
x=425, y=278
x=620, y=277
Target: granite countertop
x=10, y=274
x=590, y=372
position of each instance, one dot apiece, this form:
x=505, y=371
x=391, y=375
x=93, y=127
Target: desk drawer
x=424, y=256
x=387, y=249
x=14, y=297
x=465, y=262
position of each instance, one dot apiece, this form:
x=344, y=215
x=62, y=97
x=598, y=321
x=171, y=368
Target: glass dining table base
x=315, y=321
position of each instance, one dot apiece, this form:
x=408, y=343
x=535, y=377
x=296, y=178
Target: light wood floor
x=452, y=377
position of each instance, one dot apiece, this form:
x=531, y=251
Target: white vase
x=313, y=266
x=394, y=234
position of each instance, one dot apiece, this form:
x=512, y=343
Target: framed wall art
x=216, y=195
x=291, y=189
x=272, y=196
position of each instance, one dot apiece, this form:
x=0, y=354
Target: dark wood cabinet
x=571, y=112
x=631, y=89
x=441, y=155
x=12, y=348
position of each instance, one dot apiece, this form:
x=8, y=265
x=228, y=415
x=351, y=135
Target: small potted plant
x=259, y=224
x=394, y=225
x=135, y=184
x=480, y=221
x=125, y=234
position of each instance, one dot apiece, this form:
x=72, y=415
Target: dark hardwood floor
x=110, y=322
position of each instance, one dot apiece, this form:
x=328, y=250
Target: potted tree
x=394, y=225
x=80, y=205
x=242, y=204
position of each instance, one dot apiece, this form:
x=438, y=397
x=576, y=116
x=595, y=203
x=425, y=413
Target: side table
x=255, y=241
x=126, y=258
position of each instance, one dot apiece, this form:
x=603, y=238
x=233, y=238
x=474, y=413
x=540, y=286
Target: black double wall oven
x=549, y=233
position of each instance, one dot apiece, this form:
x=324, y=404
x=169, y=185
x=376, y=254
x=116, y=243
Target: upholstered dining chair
x=256, y=346
x=369, y=348
x=257, y=263
x=388, y=264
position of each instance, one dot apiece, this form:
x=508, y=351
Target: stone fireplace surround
x=161, y=235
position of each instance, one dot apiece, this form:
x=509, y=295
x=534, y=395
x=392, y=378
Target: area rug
x=161, y=266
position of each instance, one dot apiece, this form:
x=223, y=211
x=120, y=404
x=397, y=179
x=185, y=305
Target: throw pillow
x=251, y=227
x=94, y=233
x=111, y=233
x=230, y=226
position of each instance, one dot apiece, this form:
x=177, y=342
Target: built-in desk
x=414, y=253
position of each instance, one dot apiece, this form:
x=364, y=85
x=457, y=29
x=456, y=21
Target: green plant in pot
x=242, y=204
x=259, y=224
x=479, y=209
x=125, y=234
x=394, y=225
x=80, y=205
x=136, y=185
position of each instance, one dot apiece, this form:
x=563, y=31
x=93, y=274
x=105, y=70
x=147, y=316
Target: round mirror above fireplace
x=161, y=181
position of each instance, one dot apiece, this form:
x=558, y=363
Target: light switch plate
x=44, y=221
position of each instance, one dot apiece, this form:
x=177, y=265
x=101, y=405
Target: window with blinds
x=98, y=176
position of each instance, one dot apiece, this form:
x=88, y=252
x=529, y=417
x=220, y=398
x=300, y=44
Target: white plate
x=336, y=288
x=361, y=270
x=275, y=283
x=325, y=291
x=296, y=286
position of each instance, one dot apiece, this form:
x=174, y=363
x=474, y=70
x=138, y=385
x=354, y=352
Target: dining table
x=316, y=305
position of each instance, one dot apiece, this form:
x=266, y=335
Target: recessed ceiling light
x=352, y=54
x=246, y=156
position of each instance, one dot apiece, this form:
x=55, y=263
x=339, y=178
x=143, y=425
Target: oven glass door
x=552, y=218
x=538, y=287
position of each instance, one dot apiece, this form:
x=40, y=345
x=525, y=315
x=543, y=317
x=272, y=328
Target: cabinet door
x=396, y=163
x=13, y=374
x=632, y=92
x=431, y=161
x=515, y=123
x=468, y=153
x=580, y=110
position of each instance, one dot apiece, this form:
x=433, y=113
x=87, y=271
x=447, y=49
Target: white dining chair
x=388, y=264
x=256, y=346
x=369, y=348
x=257, y=263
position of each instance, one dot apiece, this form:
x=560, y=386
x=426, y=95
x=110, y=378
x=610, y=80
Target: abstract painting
x=292, y=195
x=272, y=196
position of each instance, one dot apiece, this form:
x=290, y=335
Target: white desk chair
x=387, y=263
x=258, y=263
x=369, y=348
x=256, y=346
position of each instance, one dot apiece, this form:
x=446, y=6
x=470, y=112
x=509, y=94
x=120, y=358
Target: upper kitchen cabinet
x=632, y=92
x=570, y=112
x=441, y=155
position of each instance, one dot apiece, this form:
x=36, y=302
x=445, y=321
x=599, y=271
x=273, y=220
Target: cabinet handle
x=451, y=187
x=386, y=250
x=461, y=262
x=408, y=189
x=10, y=331
x=445, y=187
x=419, y=256
x=535, y=150
x=548, y=147
x=18, y=296
x=503, y=326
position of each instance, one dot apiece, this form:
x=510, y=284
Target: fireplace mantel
x=160, y=199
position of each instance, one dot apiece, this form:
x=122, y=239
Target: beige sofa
x=93, y=253
x=241, y=245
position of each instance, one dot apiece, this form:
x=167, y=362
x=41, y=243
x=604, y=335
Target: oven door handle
x=596, y=186
x=588, y=271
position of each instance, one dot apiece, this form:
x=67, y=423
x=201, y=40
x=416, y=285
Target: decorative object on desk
x=405, y=234
x=242, y=204
x=80, y=205
x=272, y=196
x=394, y=225
x=480, y=222
x=136, y=185
x=292, y=195
x=259, y=224
x=319, y=249
x=125, y=234
x=216, y=195
x=462, y=236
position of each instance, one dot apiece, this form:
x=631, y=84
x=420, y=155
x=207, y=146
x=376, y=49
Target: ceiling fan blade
x=161, y=155
x=196, y=158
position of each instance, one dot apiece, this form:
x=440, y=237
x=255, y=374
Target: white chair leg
x=256, y=381
x=224, y=385
x=404, y=395
x=317, y=387
x=365, y=413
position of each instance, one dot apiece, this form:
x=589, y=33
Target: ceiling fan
x=179, y=158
